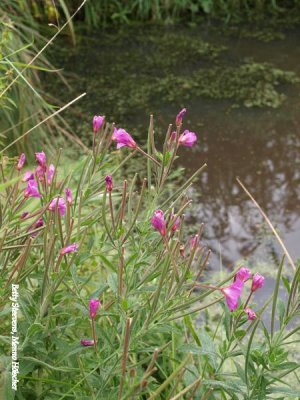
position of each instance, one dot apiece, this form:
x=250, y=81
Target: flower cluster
x=124, y=139
x=159, y=223
x=187, y=138
x=41, y=175
x=37, y=180
x=233, y=292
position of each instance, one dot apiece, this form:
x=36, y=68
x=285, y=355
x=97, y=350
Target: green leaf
x=240, y=333
x=112, y=281
x=284, y=390
x=26, y=367
x=159, y=155
x=248, y=358
x=190, y=348
x=167, y=158
x=6, y=392
x=286, y=283
x=208, y=345
x=240, y=371
x=107, y=263
x=46, y=365
x=281, y=311
x=99, y=291
x=231, y=386
x=34, y=329
x=189, y=324
x=286, y=365
x=275, y=296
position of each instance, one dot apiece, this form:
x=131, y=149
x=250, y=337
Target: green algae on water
x=143, y=69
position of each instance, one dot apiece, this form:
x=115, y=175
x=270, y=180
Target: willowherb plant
x=109, y=283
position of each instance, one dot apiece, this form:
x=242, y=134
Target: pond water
x=260, y=145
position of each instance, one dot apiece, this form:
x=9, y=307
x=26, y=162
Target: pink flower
x=187, y=138
x=58, y=202
x=40, y=173
x=123, y=138
x=158, y=222
x=21, y=161
x=97, y=122
x=232, y=294
x=50, y=174
x=32, y=189
x=251, y=314
x=93, y=306
x=41, y=160
x=69, y=249
x=243, y=274
x=176, y=224
x=180, y=116
x=194, y=241
x=68, y=196
x=87, y=342
x=28, y=175
x=258, y=282
x=109, y=183
x=38, y=224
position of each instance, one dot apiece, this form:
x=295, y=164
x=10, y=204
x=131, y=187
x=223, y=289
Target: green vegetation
x=150, y=341
x=107, y=12
x=24, y=103
x=72, y=236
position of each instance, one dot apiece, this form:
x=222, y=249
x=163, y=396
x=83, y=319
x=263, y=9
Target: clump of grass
x=23, y=101
x=119, y=12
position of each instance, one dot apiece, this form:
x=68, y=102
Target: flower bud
x=109, y=183
x=41, y=160
x=243, y=274
x=180, y=116
x=68, y=196
x=50, y=174
x=251, y=314
x=21, y=161
x=58, y=203
x=28, y=175
x=93, y=306
x=98, y=121
x=87, y=342
x=32, y=189
x=158, y=222
x=69, y=249
x=258, y=282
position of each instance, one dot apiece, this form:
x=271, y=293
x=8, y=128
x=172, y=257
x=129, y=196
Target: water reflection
x=264, y=152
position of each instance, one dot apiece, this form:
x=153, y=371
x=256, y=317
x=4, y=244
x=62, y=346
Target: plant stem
x=148, y=156
x=124, y=357
x=111, y=211
x=94, y=334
